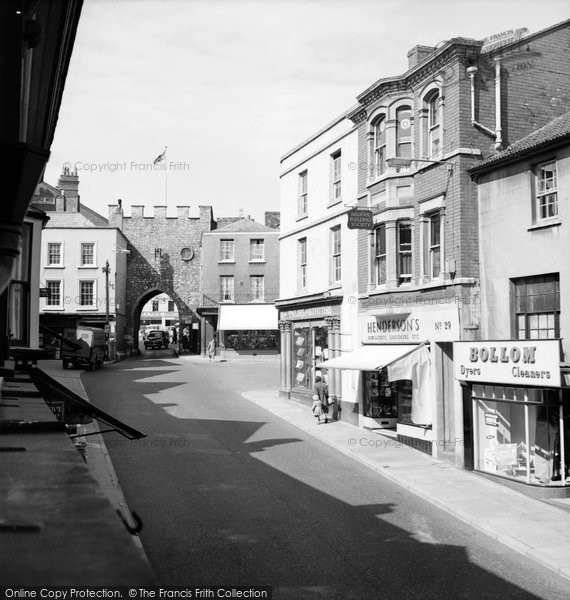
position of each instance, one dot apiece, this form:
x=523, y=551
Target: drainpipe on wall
x=497, y=134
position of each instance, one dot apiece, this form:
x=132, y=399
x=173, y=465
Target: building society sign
x=522, y=362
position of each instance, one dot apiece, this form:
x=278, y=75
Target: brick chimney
x=69, y=185
x=273, y=219
x=417, y=54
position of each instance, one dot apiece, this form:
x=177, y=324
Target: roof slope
x=243, y=225
x=555, y=131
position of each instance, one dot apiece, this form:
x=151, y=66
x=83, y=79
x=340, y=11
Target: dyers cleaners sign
x=522, y=362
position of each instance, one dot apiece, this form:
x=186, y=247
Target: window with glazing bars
x=379, y=146
x=435, y=245
x=404, y=132
x=380, y=254
x=335, y=240
x=547, y=191
x=227, y=288
x=404, y=252
x=54, y=254
x=302, y=255
x=336, y=181
x=226, y=250
x=537, y=307
x=86, y=293
x=256, y=250
x=303, y=194
x=87, y=254
x=257, y=288
x=433, y=124
x=54, y=293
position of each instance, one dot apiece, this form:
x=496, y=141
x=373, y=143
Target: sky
x=229, y=86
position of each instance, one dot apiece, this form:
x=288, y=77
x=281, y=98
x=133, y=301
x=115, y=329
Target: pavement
x=534, y=528
x=97, y=456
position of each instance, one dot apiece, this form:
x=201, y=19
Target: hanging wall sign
x=359, y=218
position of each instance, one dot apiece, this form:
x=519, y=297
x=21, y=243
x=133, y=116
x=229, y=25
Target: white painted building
x=318, y=257
x=77, y=246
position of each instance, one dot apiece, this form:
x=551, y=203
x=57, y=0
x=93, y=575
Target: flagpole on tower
x=165, y=179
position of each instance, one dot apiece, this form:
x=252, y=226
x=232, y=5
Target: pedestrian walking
x=174, y=336
x=212, y=349
x=322, y=392
x=317, y=408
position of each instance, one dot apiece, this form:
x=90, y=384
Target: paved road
x=231, y=494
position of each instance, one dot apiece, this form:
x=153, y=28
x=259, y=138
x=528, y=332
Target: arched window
x=433, y=132
x=379, y=129
x=404, y=132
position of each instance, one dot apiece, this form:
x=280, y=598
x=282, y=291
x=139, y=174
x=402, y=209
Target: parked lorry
x=87, y=347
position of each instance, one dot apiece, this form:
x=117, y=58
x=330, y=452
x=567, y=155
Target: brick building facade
x=240, y=282
x=419, y=133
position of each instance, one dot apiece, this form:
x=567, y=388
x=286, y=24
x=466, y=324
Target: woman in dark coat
x=322, y=391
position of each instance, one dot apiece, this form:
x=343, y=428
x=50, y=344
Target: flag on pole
x=160, y=157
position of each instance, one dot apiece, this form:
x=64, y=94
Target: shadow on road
x=226, y=498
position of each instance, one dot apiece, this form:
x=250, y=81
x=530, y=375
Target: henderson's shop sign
x=522, y=363
x=420, y=324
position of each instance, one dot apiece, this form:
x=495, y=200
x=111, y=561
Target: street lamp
x=107, y=269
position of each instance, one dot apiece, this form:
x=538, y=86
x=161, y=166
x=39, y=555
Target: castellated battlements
x=159, y=212
x=204, y=220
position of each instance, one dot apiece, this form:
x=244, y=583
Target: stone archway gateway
x=165, y=256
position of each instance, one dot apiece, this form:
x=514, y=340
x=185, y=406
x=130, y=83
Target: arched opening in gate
x=157, y=310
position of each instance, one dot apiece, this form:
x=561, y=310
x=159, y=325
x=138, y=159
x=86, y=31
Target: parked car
x=156, y=339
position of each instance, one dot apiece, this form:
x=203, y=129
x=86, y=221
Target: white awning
x=368, y=358
x=247, y=316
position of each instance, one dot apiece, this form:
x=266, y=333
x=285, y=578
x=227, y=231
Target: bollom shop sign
x=522, y=363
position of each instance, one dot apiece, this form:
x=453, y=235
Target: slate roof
x=243, y=225
x=557, y=130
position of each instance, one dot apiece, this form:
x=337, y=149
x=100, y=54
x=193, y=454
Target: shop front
x=404, y=364
x=309, y=336
x=248, y=329
x=516, y=410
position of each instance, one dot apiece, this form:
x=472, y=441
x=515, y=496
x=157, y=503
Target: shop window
x=257, y=288
x=303, y=199
x=310, y=346
x=380, y=255
x=227, y=288
x=379, y=151
x=256, y=250
x=87, y=254
x=404, y=254
x=336, y=188
x=87, y=294
x=546, y=191
x=517, y=433
x=251, y=340
x=55, y=254
x=537, y=307
x=404, y=132
x=302, y=263
x=335, y=254
x=226, y=250
x=434, y=245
